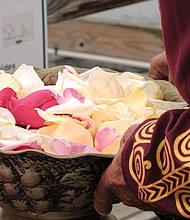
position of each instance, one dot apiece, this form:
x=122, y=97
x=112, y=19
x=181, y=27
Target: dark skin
x=112, y=184
x=159, y=69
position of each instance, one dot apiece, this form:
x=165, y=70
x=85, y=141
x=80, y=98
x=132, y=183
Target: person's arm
x=155, y=159
x=152, y=169
x=113, y=184
x=156, y=162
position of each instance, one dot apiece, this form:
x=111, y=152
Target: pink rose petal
x=71, y=70
x=62, y=147
x=105, y=137
x=74, y=93
x=70, y=94
x=24, y=146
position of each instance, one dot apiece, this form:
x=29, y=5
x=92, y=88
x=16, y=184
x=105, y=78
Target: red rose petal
x=39, y=99
x=27, y=116
x=5, y=95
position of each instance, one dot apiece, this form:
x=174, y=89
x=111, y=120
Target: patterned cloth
x=156, y=158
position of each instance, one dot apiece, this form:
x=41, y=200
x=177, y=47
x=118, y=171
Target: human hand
x=112, y=184
x=159, y=67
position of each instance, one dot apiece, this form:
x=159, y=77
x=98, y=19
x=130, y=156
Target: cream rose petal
x=50, y=117
x=147, y=112
x=115, y=112
x=29, y=79
x=152, y=90
x=6, y=119
x=86, y=108
x=99, y=101
x=105, y=84
x=8, y=80
x=7, y=115
x=130, y=81
x=134, y=76
x=7, y=143
x=120, y=125
x=68, y=80
x=166, y=105
x=18, y=133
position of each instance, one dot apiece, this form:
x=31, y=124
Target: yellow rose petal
x=70, y=131
x=120, y=125
x=137, y=100
x=112, y=148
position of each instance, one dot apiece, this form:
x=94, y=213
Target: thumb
x=103, y=199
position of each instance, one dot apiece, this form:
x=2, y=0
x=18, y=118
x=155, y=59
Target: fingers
x=154, y=73
x=159, y=67
x=112, y=184
x=103, y=199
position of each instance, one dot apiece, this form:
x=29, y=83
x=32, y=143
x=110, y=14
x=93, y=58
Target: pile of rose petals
x=81, y=113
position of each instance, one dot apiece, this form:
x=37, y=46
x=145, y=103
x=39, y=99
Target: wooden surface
x=102, y=39
x=61, y=10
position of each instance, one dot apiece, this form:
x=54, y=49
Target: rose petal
x=70, y=94
x=70, y=131
x=71, y=70
x=105, y=84
x=73, y=93
x=68, y=80
x=42, y=99
x=5, y=96
x=106, y=137
x=27, y=116
x=78, y=108
x=137, y=100
x=6, y=115
x=62, y=147
x=23, y=146
x=8, y=80
x=29, y=79
x=152, y=90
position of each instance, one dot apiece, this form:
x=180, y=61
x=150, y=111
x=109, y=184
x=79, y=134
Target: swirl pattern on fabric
x=175, y=179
